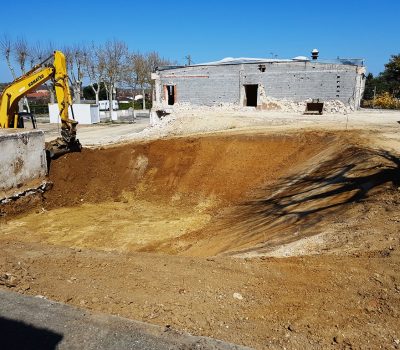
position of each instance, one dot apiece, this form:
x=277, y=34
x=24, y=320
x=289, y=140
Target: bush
x=124, y=106
x=138, y=105
x=383, y=100
x=39, y=109
x=386, y=101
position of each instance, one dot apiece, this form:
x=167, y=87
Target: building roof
x=249, y=60
x=242, y=60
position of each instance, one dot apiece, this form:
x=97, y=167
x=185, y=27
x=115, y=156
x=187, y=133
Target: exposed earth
x=269, y=236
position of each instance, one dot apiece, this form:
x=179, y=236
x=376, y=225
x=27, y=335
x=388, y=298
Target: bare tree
x=6, y=47
x=21, y=55
x=80, y=54
x=39, y=53
x=95, y=67
x=140, y=68
x=154, y=60
x=131, y=77
x=135, y=75
x=42, y=54
x=115, y=54
x=75, y=57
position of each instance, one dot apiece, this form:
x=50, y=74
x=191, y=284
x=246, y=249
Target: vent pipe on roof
x=314, y=54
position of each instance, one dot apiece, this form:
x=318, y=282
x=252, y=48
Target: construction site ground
x=263, y=229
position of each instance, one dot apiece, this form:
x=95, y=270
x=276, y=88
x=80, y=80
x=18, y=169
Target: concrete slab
x=22, y=157
x=35, y=323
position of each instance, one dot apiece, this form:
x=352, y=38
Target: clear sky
x=211, y=30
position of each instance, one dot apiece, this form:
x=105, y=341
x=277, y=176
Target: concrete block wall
x=22, y=157
x=297, y=81
x=206, y=85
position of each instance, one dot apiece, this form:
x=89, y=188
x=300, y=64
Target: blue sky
x=211, y=30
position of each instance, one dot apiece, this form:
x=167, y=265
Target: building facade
x=251, y=82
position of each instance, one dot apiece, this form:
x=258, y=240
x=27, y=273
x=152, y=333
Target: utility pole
x=373, y=101
x=189, y=59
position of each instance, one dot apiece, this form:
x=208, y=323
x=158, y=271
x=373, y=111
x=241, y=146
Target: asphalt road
x=28, y=322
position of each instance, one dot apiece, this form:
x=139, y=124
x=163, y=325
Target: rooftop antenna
x=314, y=54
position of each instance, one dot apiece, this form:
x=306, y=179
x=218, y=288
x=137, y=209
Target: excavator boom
x=57, y=71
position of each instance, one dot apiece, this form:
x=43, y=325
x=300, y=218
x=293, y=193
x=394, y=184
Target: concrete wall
x=22, y=157
x=297, y=81
x=84, y=113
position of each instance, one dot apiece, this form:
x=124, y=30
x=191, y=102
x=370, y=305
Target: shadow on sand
x=280, y=213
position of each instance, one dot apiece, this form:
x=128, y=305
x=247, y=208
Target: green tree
x=391, y=75
x=387, y=81
x=89, y=94
x=369, y=87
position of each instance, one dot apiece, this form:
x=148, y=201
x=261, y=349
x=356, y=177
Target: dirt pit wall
x=227, y=167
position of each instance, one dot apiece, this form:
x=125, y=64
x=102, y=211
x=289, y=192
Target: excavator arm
x=57, y=71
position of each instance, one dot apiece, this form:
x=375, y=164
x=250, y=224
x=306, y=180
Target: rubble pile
x=266, y=104
x=285, y=105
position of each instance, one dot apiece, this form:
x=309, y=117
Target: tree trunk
x=133, y=104
x=110, y=99
x=52, y=95
x=21, y=105
x=77, y=92
x=107, y=92
x=144, y=99
x=26, y=103
x=96, y=92
x=11, y=67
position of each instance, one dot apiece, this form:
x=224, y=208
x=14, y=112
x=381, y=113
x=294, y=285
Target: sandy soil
x=266, y=237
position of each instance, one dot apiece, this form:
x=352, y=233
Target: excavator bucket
x=59, y=147
x=67, y=143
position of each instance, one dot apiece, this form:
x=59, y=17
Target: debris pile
x=267, y=103
x=43, y=187
x=288, y=106
x=285, y=105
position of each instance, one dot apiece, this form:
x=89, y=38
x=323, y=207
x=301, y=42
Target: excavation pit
x=196, y=196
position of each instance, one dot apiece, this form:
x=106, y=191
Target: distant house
x=41, y=93
x=249, y=81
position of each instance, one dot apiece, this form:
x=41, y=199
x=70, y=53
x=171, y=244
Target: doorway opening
x=251, y=93
x=170, y=92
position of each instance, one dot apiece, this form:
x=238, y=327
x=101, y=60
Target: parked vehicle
x=104, y=105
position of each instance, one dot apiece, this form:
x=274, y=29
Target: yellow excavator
x=54, y=68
